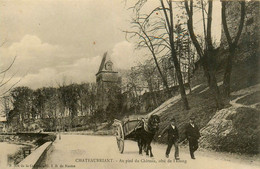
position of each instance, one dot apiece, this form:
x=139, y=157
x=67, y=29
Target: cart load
x=140, y=130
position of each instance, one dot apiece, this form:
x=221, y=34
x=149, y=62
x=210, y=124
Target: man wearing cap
x=192, y=134
x=173, y=137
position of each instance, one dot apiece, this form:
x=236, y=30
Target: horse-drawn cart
x=125, y=131
x=140, y=130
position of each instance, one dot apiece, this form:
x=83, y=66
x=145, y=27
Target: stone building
x=108, y=82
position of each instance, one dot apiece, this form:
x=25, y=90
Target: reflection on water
x=5, y=150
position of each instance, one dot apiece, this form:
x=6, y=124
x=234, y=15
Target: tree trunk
x=189, y=64
x=161, y=74
x=215, y=90
x=232, y=45
x=180, y=81
x=174, y=55
x=151, y=48
x=228, y=71
x=189, y=77
x=195, y=42
x=153, y=94
x=182, y=91
x=211, y=60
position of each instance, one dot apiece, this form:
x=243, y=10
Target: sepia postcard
x=129, y=84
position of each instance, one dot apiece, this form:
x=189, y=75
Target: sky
x=64, y=40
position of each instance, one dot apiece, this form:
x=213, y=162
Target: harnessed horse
x=145, y=133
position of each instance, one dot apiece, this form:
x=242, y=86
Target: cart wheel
x=120, y=138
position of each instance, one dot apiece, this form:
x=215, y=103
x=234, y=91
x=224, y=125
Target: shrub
x=244, y=137
x=45, y=139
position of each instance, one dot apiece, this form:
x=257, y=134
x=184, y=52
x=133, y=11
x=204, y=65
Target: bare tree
x=156, y=32
x=208, y=56
x=185, y=53
x=5, y=81
x=147, y=41
x=232, y=43
x=134, y=89
x=149, y=74
x=168, y=14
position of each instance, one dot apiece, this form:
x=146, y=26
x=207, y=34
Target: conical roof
x=102, y=65
x=106, y=58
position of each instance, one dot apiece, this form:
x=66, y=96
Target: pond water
x=5, y=150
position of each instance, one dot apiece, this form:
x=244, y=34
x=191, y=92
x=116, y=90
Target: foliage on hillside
x=245, y=134
x=202, y=107
x=235, y=128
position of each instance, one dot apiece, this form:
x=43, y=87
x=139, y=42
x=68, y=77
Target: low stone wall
x=21, y=137
x=34, y=160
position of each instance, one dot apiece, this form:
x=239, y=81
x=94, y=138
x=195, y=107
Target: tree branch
x=209, y=24
x=242, y=19
x=9, y=66
x=193, y=37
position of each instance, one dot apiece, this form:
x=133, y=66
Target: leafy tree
x=22, y=103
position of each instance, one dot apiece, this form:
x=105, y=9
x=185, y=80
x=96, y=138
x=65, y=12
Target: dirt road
x=100, y=152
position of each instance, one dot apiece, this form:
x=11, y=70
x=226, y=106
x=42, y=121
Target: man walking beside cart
x=173, y=138
x=192, y=134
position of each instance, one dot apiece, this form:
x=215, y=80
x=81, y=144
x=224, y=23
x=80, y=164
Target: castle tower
x=108, y=82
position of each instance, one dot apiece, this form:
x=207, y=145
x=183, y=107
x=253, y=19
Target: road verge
x=33, y=160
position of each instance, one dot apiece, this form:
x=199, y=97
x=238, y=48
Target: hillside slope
x=236, y=127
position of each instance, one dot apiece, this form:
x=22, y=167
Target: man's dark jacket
x=192, y=132
x=173, y=134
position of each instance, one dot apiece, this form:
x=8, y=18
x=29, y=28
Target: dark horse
x=145, y=133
